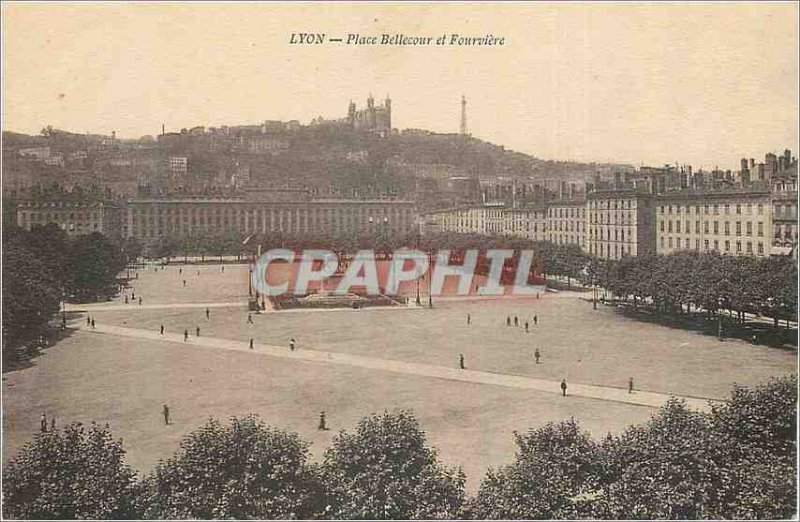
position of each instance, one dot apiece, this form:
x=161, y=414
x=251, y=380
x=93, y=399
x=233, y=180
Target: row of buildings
x=651, y=211
x=292, y=212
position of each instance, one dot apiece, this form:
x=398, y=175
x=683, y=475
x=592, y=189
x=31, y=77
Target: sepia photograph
x=399, y=260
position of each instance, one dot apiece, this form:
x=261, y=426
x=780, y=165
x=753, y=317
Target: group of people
x=43, y=423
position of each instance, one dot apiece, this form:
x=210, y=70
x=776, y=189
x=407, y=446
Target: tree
x=31, y=293
x=95, y=262
x=554, y=475
x=385, y=470
x=74, y=473
x=662, y=469
x=243, y=470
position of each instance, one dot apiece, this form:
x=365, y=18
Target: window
x=716, y=227
x=727, y=246
x=738, y=228
x=678, y=226
x=697, y=227
x=749, y=228
x=670, y=242
x=688, y=226
x=727, y=228
x=662, y=241
x=716, y=245
x=716, y=209
x=670, y=226
x=760, y=208
x=738, y=209
x=760, y=229
x=705, y=244
x=705, y=209
x=750, y=248
x=760, y=247
x=727, y=209
x=705, y=227
x=749, y=208
x=739, y=247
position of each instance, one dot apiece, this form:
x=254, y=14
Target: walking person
x=508, y=320
x=126, y=299
x=526, y=326
x=184, y=283
x=162, y=329
x=165, y=412
x=250, y=318
x=535, y=320
x=180, y=270
x=469, y=319
x=536, y=355
x=292, y=344
x=43, y=423
x=461, y=361
x=88, y=321
x=323, y=426
x=92, y=323
x=630, y=385
x=197, y=331
x=251, y=343
x=133, y=295
x=140, y=301
x=53, y=424
x=563, y=387
x=208, y=313
x=516, y=321
x=185, y=335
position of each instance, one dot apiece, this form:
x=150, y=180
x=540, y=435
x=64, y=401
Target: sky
x=640, y=83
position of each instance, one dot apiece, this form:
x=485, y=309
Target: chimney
x=752, y=163
x=744, y=164
x=690, y=171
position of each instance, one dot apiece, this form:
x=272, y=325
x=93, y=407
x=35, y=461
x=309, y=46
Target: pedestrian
x=133, y=295
x=180, y=270
x=208, y=313
x=461, y=361
x=162, y=329
x=88, y=321
x=223, y=269
x=137, y=275
x=250, y=318
x=630, y=385
x=322, y=425
x=469, y=319
x=564, y=387
x=537, y=295
x=198, y=271
x=251, y=343
x=197, y=331
x=536, y=355
x=185, y=335
x=126, y=299
x=184, y=282
x=508, y=320
x=535, y=320
x=140, y=301
x=516, y=321
x=92, y=323
x=43, y=423
x=291, y=344
x=754, y=339
x=526, y=326
x=53, y=424
x=165, y=411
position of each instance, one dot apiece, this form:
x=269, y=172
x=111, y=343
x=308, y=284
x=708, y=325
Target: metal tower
x=463, y=129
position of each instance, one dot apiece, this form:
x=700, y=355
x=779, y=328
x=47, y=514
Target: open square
x=351, y=363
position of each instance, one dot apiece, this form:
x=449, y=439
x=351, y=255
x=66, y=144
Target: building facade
x=76, y=218
x=620, y=223
x=737, y=221
x=566, y=222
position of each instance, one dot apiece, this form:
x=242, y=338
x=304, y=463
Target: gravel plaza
x=351, y=363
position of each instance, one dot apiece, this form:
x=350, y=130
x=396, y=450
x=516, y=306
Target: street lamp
x=419, y=233
x=719, y=319
x=430, y=280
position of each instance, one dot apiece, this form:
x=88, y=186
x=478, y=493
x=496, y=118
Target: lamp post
x=419, y=233
x=430, y=280
x=719, y=319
